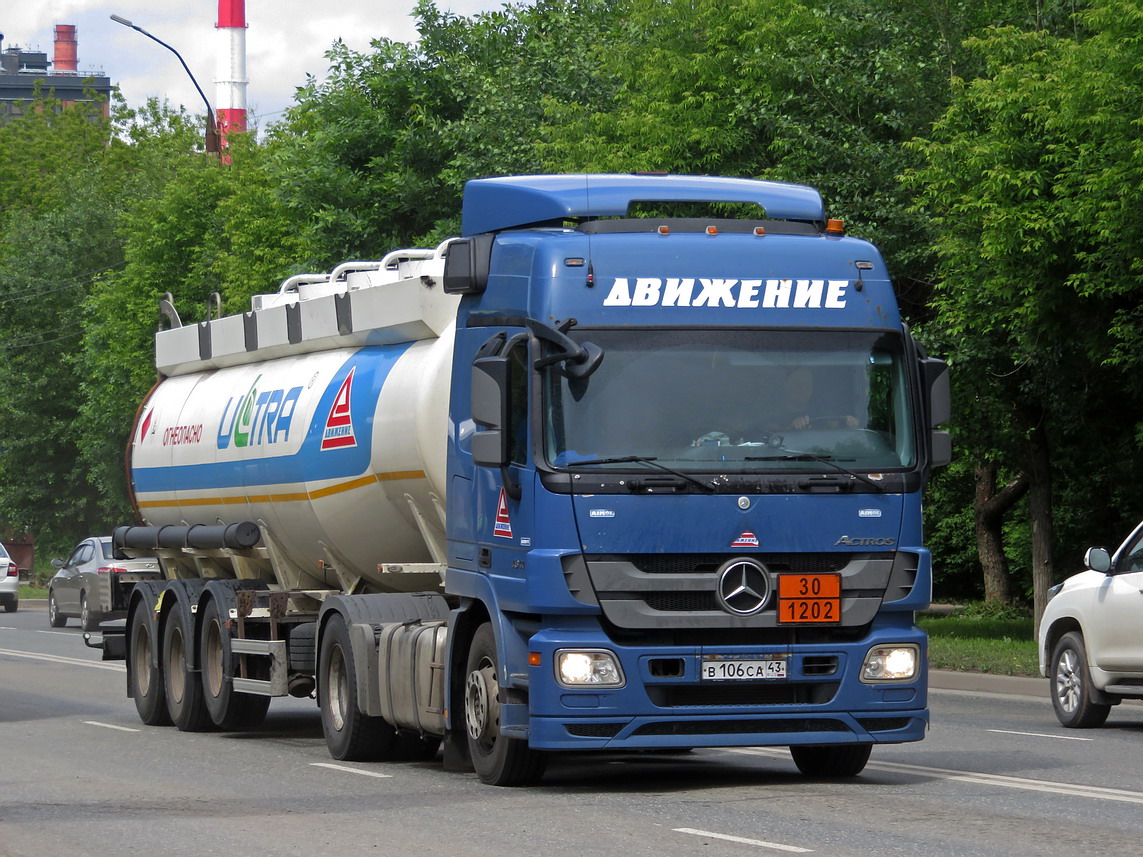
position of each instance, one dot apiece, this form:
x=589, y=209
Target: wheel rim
x=176, y=677
x=337, y=689
x=481, y=706
x=1068, y=680
x=53, y=610
x=212, y=668
x=141, y=659
x=83, y=615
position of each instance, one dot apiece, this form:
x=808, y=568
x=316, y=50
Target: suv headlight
x=588, y=668
x=891, y=663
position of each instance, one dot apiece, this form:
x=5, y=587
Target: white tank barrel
x=336, y=450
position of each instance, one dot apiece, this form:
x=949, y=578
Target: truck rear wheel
x=228, y=708
x=146, y=678
x=350, y=735
x=185, y=701
x=832, y=760
x=499, y=760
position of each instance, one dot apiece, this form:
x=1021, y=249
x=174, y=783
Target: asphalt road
x=80, y=775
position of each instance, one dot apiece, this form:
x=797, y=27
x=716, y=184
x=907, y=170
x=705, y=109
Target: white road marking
x=350, y=770
x=111, y=726
x=60, y=659
x=1040, y=735
x=1068, y=789
x=743, y=840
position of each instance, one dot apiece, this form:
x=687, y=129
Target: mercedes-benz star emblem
x=743, y=587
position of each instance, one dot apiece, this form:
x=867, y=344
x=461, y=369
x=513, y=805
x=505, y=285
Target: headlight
x=891, y=663
x=588, y=669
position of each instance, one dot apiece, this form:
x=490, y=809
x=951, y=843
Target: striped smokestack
x=230, y=98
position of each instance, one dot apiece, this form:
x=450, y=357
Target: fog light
x=588, y=669
x=891, y=663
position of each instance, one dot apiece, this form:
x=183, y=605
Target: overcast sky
x=285, y=41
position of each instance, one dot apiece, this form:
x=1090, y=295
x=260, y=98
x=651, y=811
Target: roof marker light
x=759, y=230
x=712, y=230
x=574, y=263
x=664, y=230
x=835, y=226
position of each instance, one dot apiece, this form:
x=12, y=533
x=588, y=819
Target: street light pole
x=211, y=128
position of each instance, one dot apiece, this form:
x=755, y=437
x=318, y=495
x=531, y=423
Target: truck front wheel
x=350, y=735
x=499, y=760
x=1071, y=685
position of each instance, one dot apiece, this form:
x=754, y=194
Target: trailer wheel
x=499, y=760
x=350, y=735
x=146, y=679
x=831, y=760
x=185, y=701
x=228, y=708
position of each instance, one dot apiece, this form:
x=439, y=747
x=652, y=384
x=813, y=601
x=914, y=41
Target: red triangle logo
x=503, y=525
x=338, y=433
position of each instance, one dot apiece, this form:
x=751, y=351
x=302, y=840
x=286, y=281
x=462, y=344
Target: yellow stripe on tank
x=317, y=493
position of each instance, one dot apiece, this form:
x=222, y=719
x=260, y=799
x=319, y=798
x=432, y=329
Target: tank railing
x=291, y=284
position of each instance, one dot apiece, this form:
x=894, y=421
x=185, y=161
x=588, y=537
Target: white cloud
x=285, y=41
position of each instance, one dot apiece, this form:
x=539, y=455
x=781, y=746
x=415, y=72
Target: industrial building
x=26, y=73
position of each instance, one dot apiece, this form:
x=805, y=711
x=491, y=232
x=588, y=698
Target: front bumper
x=665, y=703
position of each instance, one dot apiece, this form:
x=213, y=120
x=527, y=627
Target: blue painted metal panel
x=504, y=203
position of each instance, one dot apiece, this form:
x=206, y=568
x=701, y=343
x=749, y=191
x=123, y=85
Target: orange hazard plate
x=809, y=598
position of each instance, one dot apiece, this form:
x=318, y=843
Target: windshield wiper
x=646, y=459
x=824, y=459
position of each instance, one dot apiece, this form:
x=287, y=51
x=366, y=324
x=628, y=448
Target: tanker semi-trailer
x=576, y=480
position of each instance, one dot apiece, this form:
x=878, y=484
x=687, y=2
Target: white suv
x=9, y=582
x=1091, y=635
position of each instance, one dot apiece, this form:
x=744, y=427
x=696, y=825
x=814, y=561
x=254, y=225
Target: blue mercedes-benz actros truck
x=635, y=463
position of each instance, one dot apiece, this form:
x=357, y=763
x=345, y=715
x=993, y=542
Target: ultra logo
x=259, y=417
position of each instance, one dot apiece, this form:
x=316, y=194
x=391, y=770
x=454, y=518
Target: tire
x=55, y=618
x=499, y=761
x=1071, y=685
x=11, y=605
x=88, y=619
x=350, y=735
x=831, y=760
x=146, y=680
x=228, y=709
x=185, y=700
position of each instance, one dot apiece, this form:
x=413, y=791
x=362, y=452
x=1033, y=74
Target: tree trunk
x=990, y=508
x=1040, y=509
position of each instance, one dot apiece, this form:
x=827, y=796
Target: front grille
x=741, y=727
x=682, y=601
x=709, y=563
x=721, y=695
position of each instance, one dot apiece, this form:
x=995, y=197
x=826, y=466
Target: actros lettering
x=737, y=294
x=861, y=542
x=259, y=417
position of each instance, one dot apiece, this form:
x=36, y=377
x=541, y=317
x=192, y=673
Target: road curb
x=1013, y=685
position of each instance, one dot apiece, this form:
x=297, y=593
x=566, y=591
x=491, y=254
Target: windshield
x=735, y=401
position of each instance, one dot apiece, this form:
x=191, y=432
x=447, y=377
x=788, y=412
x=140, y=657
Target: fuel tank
x=337, y=453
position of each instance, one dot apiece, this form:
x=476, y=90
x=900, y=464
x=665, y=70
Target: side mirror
x=1097, y=559
x=467, y=262
x=57, y=563
x=936, y=373
x=490, y=411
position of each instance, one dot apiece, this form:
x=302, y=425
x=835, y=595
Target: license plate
x=733, y=668
x=809, y=598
